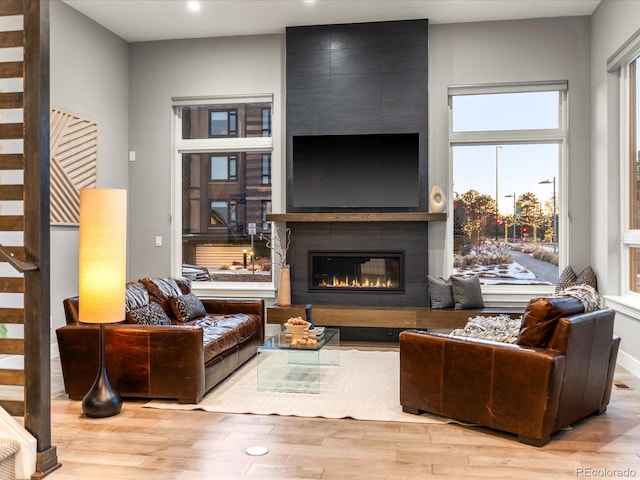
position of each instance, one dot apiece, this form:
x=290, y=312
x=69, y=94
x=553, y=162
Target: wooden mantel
x=358, y=217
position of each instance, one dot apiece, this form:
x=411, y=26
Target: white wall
x=612, y=24
x=513, y=51
x=89, y=77
x=185, y=68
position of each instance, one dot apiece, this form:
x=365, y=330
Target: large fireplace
x=341, y=271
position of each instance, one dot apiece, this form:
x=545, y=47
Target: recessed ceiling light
x=309, y=2
x=193, y=5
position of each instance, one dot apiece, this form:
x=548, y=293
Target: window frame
x=220, y=145
x=507, y=292
x=231, y=113
x=232, y=167
x=630, y=237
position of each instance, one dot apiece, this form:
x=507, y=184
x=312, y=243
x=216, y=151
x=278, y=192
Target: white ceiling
x=144, y=20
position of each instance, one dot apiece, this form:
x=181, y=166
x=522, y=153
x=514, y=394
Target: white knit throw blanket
x=500, y=328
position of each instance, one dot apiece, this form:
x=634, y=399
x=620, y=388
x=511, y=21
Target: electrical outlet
x=158, y=241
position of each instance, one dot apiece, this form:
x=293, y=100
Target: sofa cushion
x=541, y=316
x=440, y=293
x=150, y=314
x=161, y=290
x=136, y=296
x=187, y=307
x=467, y=292
x=222, y=332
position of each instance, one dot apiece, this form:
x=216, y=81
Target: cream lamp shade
x=103, y=249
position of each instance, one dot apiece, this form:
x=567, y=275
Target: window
x=223, y=189
x=223, y=123
x=266, y=209
x=507, y=147
x=266, y=169
x=224, y=167
x=631, y=237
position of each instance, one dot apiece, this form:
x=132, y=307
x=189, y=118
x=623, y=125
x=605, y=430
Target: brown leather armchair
x=560, y=371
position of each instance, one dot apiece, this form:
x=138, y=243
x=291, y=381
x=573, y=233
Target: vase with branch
x=279, y=245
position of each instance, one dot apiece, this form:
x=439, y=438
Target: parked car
x=195, y=273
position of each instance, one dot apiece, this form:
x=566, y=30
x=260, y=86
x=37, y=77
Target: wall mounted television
x=341, y=172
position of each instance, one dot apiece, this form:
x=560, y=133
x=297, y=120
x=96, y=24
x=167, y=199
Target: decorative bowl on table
x=297, y=327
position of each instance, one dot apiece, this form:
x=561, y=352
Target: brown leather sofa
x=181, y=360
x=559, y=371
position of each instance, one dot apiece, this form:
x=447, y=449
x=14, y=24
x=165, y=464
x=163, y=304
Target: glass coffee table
x=284, y=368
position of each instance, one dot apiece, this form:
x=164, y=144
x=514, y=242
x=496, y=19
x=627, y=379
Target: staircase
x=24, y=220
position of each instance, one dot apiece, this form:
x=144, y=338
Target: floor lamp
x=102, y=281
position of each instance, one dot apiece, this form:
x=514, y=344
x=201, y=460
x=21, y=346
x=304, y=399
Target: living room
x=127, y=88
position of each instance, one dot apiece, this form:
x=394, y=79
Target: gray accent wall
x=514, y=51
x=613, y=23
x=89, y=78
x=164, y=70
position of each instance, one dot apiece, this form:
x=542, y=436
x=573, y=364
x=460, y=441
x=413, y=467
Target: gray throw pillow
x=467, y=292
x=440, y=294
x=187, y=307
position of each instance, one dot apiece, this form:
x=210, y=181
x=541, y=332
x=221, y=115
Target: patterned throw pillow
x=150, y=314
x=187, y=307
x=568, y=278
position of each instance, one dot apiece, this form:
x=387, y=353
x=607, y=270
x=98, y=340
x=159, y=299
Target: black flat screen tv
x=337, y=172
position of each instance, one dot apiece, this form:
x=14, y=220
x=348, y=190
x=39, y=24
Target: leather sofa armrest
x=165, y=360
x=503, y=386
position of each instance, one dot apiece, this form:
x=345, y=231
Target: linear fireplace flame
x=357, y=271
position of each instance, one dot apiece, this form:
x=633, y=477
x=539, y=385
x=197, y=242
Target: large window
x=631, y=237
x=224, y=155
x=508, y=147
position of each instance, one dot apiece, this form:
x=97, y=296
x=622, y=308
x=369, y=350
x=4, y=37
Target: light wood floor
x=153, y=444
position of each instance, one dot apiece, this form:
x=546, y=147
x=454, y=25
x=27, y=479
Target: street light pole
x=514, y=215
x=495, y=220
x=555, y=220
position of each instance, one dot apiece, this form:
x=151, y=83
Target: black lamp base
x=102, y=400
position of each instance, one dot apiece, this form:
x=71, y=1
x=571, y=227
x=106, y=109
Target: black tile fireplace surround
x=405, y=241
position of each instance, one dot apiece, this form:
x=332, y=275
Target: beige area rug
x=365, y=386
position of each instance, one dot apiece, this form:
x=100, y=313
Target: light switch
x=158, y=241
x=132, y=156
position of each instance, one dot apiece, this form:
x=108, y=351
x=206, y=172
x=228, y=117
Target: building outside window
x=508, y=147
x=223, y=186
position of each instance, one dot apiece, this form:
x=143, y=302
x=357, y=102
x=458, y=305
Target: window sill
x=514, y=295
x=264, y=290
x=628, y=304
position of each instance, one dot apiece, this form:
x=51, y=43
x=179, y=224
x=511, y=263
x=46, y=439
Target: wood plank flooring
x=153, y=444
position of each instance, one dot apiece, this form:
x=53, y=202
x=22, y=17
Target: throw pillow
x=150, y=314
x=567, y=278
x=467, y=292
x=160, y=290
x=187, y=307
x=440, y=294
x=587, y=277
